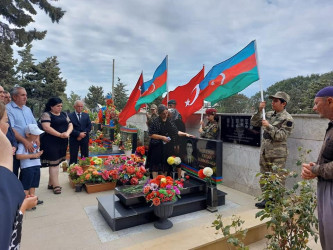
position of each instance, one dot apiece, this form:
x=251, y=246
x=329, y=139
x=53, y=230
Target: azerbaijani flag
x=155, y=87
x=231, y=76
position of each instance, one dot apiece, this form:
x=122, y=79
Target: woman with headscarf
x=161, y=146
x=54, y=142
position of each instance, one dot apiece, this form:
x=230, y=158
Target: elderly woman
x=211, y=129
x=161, y=146
x=54, y=142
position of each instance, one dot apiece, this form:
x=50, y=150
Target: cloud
x=293, y=38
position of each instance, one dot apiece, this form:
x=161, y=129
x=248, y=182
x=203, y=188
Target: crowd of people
x=26, y=147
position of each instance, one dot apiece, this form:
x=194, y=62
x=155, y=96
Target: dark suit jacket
x=83, y=126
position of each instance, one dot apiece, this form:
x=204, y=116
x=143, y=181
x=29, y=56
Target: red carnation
x=134, y=181
x=201, y=174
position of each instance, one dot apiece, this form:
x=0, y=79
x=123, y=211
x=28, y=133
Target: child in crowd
x=30, y=162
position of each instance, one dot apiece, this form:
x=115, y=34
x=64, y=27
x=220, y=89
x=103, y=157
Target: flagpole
x=167, y=79
x=112, y=95
x=261, y=91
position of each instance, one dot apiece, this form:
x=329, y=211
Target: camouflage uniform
x=274, y=143
x=210, y=131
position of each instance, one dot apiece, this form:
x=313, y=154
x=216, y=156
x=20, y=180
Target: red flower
x=92, y=163
x=130, y=169
x=187, y=177
x=201, y=174
x=146, y=189
x=156, y=201
x=139, y=175
x=134, y=181
x=142, y=169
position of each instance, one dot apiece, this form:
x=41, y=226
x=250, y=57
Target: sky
x=294, y=37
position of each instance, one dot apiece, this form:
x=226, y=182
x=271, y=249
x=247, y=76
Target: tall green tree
x=120, y=96
x=18, y=14
x=95, y=96
x=72, y=98
x=44, y=82
x=25, y=67
x=7, y=64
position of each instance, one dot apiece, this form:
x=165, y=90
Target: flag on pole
x=187, y=96
x=129, y=109
x=154, y=87
x=231, y=76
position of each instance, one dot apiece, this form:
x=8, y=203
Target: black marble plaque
x=200, y=153
x=237, y=129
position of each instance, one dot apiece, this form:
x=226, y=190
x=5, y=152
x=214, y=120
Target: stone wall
x=241, y=163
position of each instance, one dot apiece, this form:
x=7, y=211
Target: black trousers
x=75, y=145
x=16, y=166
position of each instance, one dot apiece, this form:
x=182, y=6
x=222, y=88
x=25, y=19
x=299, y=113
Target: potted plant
x=162, y=192
x=78, y=183
x=74, y=172
x=64, y=166
x=116, y=142
x=211, y=190
x=84, y=163
x=127, y=147
x=98, y=179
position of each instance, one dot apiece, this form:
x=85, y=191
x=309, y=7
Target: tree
x=120, y=96
x=234, y=104
x=18, y=14
x=95, y=96
x=43, y=83
x=7, y=63
x=72, y=98
x=27, y=62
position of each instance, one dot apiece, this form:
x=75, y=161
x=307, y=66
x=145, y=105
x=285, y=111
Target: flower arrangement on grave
x=117, y=139
x=162, y=189
x=131, y=172
x=96, y=148
x=108, y=114
x=84, y=161
x=140, y=151
x=127, y=145
x=173, y=161
x=95, y=174
x=115, y=160
x=206, y=174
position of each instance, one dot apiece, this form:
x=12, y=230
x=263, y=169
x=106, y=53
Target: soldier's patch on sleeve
x=289, y=123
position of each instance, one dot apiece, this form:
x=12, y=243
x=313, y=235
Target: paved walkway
x=71, y=221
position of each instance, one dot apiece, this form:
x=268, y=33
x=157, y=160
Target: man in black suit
x=79, y=138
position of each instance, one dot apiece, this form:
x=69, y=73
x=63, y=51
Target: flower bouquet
x=162, y=189
x=140, y=151
x=131, y=172
x=114, y=161
x=174, y=162
x=74, y=173
x=116, y=142
x=206, y=174
x=96, y=149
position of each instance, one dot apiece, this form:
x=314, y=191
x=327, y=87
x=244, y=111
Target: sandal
x=57, y=190
x=49, y=186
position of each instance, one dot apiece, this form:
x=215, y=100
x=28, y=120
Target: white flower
x=177, y=161
x=208, y=171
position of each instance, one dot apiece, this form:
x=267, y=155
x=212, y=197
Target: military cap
x=172, y=102
x=210, y=111
x=280, y=95
x=153, y=106
x=325, y=92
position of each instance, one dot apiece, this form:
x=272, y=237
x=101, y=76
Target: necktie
x=79, y=115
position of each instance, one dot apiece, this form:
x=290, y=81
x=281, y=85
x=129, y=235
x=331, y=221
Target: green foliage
x=291, y=212
x=7, y=64
x=238, y=103
x=120, y=96
x=237, y=237
x=19, y=14
x=95, y=96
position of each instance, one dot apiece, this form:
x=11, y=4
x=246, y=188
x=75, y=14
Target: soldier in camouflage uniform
x=277, y=127
x=210, y=131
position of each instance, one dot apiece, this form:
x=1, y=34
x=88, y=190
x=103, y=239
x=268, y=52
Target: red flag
x=129, y=109
x=188, y=97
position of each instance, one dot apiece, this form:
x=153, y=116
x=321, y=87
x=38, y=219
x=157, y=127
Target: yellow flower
x=171, y=160
x=163, y=180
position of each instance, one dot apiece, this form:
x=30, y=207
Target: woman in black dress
x=161, y=146
x=54, y=142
